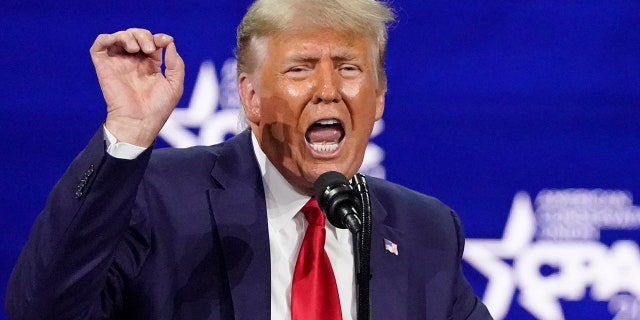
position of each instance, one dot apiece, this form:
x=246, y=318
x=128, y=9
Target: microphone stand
x=362, y=246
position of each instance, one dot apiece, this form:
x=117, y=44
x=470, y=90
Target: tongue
x=323, y=133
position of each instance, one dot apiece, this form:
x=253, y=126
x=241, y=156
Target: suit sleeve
x=466, y=305
x=82, y=244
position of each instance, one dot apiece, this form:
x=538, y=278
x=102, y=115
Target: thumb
x=174, y=69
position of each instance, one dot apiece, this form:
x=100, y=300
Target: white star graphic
x=488, y=255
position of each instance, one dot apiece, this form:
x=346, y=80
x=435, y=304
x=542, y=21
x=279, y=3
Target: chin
x=317, y=170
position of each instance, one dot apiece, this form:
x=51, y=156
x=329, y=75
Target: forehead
x=319, y=41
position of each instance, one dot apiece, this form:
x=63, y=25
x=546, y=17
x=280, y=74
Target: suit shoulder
x=200, y=157
x=417, y=213
x=173, y=160
x=179, y=156
x=393, y=194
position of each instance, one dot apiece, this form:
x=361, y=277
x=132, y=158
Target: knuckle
x=139, y=32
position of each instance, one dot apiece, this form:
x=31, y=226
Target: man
x=214, y=232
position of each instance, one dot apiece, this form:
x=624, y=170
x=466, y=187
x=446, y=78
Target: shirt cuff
x=120, y=150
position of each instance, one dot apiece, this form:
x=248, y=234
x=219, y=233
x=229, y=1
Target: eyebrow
x=338, y=55
x=344, y=55
x=302, y=57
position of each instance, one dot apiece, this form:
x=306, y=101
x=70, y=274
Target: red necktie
x=314, y=293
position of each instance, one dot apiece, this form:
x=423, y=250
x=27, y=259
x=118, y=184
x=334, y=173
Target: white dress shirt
x=286, y=231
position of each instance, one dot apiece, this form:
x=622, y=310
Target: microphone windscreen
x=328, y=179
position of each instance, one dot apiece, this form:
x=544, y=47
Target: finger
x=174, y=68
x=126, y=41
x=102, y=42
x=144, y=39
x=162, y=40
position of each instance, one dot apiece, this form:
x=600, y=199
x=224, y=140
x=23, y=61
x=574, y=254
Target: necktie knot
x=312, y=212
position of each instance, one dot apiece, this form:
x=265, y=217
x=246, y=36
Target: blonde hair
x=269, y=17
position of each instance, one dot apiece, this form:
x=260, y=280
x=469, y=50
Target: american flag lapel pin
x=391, y=246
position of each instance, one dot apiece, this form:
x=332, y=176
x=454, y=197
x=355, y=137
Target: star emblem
x=488, y=255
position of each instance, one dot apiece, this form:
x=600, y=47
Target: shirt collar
x=282, y=200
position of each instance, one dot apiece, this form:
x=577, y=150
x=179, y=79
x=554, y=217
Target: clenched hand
x=139, y=96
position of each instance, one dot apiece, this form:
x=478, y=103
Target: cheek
x=361, y=95
x=280, y=115
x=363, y=110
x=296, y=90
x=284, y=101
x=279, y=85
x=351, y=90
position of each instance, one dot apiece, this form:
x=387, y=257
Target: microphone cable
x=363, y=247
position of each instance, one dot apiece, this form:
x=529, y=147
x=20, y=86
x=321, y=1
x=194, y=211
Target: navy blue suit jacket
x=183, y=234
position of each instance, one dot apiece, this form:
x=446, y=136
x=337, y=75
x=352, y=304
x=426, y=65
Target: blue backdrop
x=523, y=116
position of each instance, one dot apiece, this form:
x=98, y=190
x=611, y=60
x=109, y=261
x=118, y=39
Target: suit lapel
x=239, y=212
x=389, y=283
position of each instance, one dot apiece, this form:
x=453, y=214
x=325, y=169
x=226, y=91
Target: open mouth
x=324, y=136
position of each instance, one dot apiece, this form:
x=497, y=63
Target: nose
x=327, y=82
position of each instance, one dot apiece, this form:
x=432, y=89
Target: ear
x=379, y=105
x=249, y=97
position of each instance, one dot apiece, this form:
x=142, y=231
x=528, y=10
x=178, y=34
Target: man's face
x=312, y=102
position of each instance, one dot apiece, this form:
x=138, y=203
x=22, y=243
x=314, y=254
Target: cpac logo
x=214, y=114
x=556, y=254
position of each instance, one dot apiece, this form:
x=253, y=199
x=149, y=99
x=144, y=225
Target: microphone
x=338, y=200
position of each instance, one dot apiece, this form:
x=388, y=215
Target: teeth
x=327, y=121
x=329, y=147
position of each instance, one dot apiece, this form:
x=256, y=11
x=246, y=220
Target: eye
x=298, y=72
x=349, y=70
x=296, y=69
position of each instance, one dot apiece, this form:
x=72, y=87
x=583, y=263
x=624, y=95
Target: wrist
x=133, y=132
